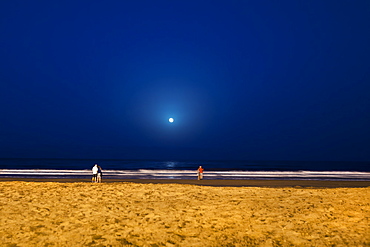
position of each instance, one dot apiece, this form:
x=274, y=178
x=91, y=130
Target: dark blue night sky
x=247, y=80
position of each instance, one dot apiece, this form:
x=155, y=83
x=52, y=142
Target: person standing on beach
x=200, y=173
x=100, y=174
x=95, y=173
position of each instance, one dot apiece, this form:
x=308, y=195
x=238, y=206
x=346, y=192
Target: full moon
x=171, y=120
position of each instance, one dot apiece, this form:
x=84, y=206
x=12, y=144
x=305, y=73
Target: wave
x=186, y=174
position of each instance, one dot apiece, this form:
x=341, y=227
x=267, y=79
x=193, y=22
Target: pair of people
x=97, y=174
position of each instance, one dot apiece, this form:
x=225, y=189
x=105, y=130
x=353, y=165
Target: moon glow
x=171, y=120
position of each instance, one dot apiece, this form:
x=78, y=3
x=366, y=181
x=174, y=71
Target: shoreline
x=212, y=182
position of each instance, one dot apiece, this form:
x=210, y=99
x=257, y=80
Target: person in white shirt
x=95, y=173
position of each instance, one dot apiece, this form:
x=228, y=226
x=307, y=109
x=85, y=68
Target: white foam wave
x=144, y=173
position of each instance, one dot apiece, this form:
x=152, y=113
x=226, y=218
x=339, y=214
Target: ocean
x=186, y=169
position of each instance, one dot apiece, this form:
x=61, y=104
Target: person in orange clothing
x=200, y=173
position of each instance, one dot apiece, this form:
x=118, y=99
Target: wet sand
x=213, y=182
x=168, y=213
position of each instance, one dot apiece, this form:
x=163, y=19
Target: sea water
x=172, y=169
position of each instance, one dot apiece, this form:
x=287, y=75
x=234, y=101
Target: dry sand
x=136, y=214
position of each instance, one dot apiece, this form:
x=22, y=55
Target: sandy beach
x=172, y=214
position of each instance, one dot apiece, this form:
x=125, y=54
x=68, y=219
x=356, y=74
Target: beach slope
x=135, y=214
